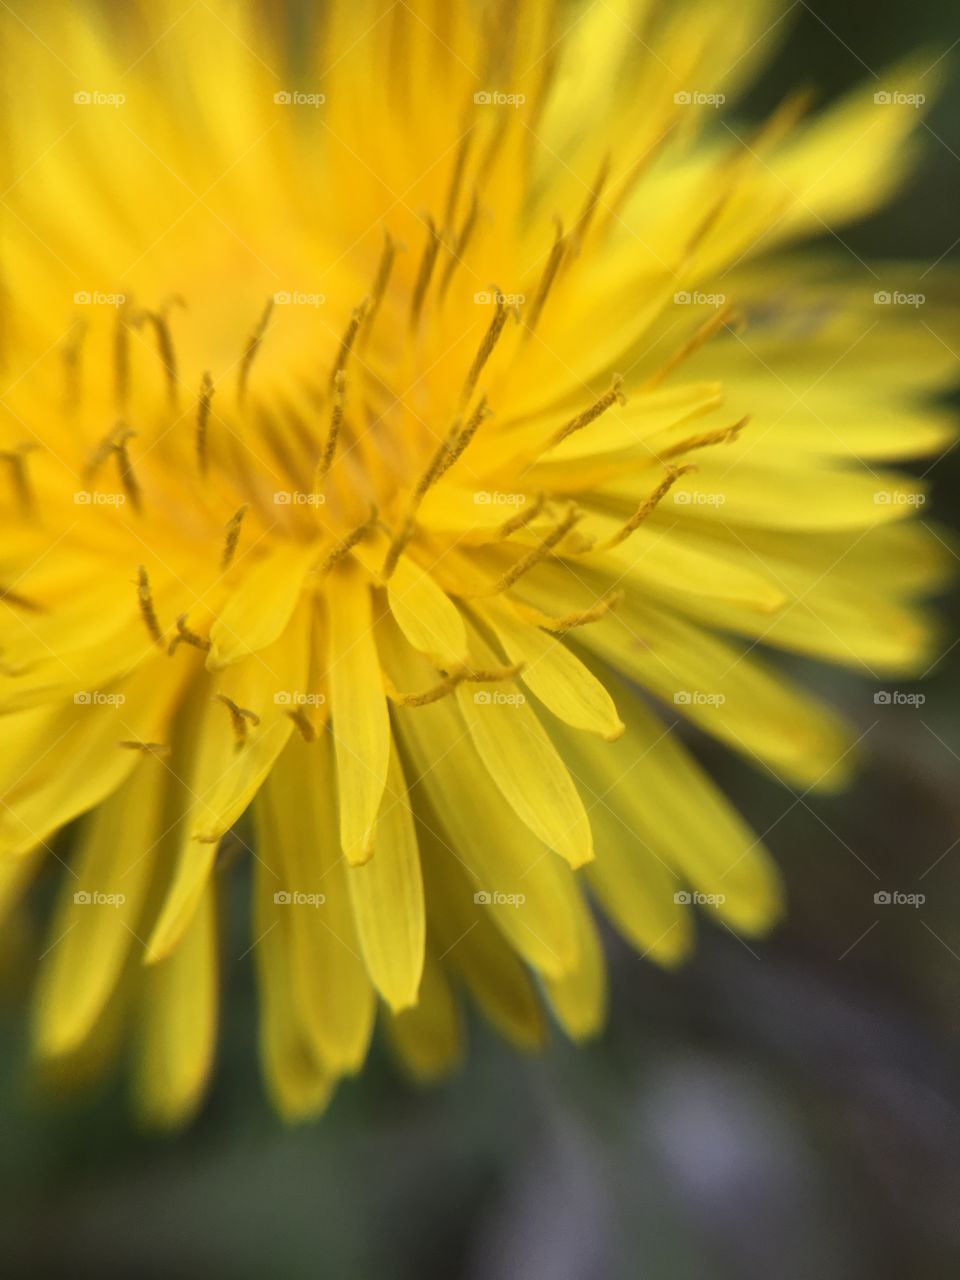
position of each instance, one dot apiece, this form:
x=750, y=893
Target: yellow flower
x=401, y=402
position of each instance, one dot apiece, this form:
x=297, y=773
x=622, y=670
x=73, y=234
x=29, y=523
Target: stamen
x=15, y=599
x=547, y=279
x=582, y=225
x=239, y=718
x=560, y=626
x=149, y=613
x=148, y=748
x=186, y=636
x=613, y=396
x=524, y=517
x=203, y=416
x=346, y=545
x=127, y=478
x=233, y=537
x=459, y=245
x=426, y=271
x=348, y=339
x=250, y=352
x=121, y=357
x=641, y=513
x=703, y=333
x=72, y=352
x=304, y=724
x=384, y=271
x=16, y=460
x=456, y=178
x=445, y=455
x=450, y=682
x=723, y=435
x=490, y=339
x=333, y=431
x=460, y=441
x=534, y=557
x=161, y=329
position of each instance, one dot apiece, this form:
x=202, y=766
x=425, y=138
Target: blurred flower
x=382, y=417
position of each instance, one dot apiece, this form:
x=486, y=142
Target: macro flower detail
x=405, y=434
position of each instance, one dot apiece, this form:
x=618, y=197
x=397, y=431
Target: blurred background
x=787, y=1108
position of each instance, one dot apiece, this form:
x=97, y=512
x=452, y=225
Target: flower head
x=391, y=423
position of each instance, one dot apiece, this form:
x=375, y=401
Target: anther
x=240, y=717
x=703, y=333
x=16, y=460
x=251, y=349
x=346, y=545
x=490, y=339
x=450, y=682
x=149, y=613
x=382, y=279
x=723, y=435
x=203, y=417
x=348, y=339
x=121, y=357
x=546, y=280
x=186, y=636
x=18, y=601
x=645, y=508
x=233, y=537
x=304, y=724
x=161, y=328
x=539, y=553
x=127, y=477
x=560, y=626
x=72, y=353
x=459, y=245
x=333, y=431
x=456, y=177
x=159, y=749
x=582, y=225
x=525, y=516
x=425, y=272
x=613, y=396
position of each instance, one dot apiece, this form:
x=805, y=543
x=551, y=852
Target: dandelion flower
x=411, y=417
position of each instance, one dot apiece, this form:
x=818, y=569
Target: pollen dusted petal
x=360, y=722
x=387, y=898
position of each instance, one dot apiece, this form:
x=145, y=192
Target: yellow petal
x=428, y=1038
x=361, y=725
x=387, y=897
